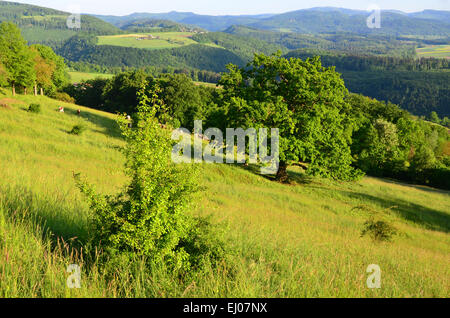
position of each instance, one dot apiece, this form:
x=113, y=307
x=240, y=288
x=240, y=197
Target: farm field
x=297, y=240
x=77, y=77
x=160, y=40
x=437, y=51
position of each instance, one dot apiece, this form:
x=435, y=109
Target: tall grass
x=298, y=240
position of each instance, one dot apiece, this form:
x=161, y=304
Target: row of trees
x=434, y=118
x=35, y=66
x=186, y=101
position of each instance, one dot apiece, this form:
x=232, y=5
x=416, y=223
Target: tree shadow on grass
x=61, y=224
x=108, y=126
x=294, y=176
x=300, y=178
x=416, y=186
x=428, y=218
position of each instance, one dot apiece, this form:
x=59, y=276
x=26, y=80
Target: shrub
x=64, y=97
x=34, y=108
x=379, y=230
x=150, y=217
x=77, y=129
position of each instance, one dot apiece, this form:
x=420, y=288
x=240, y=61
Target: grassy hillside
x=437, y=51
x=299, y=240
x=351, y=43
x=77, y=77
x=160, y=40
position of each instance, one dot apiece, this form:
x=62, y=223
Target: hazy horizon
x=231, y=7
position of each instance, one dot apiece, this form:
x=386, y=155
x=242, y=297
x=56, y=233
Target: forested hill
x=417, y=85
x=354, y=43
x=198, y=56
x=331, y=20
x=313, y=21
x=160, y=25
x=49, y=26
x=443, y=16
x=208, y=22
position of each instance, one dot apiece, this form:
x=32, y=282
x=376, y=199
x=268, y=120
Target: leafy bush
x=379, y=230
x=64, y=97
x=77, y=129
x=150, y=217
x=34, y=108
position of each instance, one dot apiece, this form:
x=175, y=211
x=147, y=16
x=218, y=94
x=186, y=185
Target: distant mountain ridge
x=152, y=25
x=208, y=22
x=313, y=21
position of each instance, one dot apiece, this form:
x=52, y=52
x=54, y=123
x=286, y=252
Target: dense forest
x=84, y=49
x=347, y=42
x=243, y=46
x=49, y=26
x=157, y=25
x=417, y=85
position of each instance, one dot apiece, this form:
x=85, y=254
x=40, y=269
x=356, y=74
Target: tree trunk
x=42, y=91
x=282, y=175
x=25, y=90
x=14, y=89
x=35, y=90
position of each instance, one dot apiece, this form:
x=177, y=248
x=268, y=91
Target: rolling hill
x=208, y=22
x=44, y=25
x=155, y=25
x=198, y=56
x=312, y=21
x=443, y=16
x=298, y=240
x=333, y=20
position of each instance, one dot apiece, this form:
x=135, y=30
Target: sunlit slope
x=299, y=240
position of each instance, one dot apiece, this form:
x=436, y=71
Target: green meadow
x=161, y=40
x=78, y=77
x=297, y=240
x=436, y=51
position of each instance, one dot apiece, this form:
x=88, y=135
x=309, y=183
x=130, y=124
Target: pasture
x=77, y=77
x=436, y=51
x=297, y=240
x=156, y=40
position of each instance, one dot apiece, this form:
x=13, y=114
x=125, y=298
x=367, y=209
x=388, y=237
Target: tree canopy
x=305, y=100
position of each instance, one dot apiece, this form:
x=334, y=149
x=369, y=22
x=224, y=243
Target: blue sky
x=215, y=7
